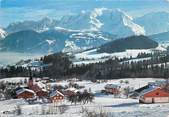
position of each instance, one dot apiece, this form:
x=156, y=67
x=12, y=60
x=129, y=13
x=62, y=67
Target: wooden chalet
x=25, y=93
x=70, y=91
x=56, y=96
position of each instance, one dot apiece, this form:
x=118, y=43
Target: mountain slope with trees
x=133, y=42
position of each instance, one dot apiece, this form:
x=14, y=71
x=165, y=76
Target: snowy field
x=92, y=56
x=115, y=107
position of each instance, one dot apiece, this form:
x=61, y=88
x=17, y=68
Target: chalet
x=112, y=88
x=42, y=93
x=56, y=96
x=70, y=91
x=25, y=93
x=154, y=95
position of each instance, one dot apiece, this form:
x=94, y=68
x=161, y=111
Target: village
x=60, y=95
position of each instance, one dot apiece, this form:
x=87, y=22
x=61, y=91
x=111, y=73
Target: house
x=42, y=93
x=154, y=95
x=112, y=88
x=38, y=88
x=70, y=91
x=25, y=93
x=56, y=96
x=136, y=93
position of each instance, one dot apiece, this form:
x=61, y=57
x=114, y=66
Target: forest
x=61, y=67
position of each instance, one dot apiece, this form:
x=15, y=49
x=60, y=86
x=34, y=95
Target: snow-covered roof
x=53, y=93
x=23, y=90
x=112, y=86
x=72, y=89
x=151, y=88
x=41, y=85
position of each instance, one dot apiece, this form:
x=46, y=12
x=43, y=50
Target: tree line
x=61, y=67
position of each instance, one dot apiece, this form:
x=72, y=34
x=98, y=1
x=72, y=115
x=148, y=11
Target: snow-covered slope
x=92, y=56
x=56, y=40
x=3, y=33
x=102, y=19
x=155, y=22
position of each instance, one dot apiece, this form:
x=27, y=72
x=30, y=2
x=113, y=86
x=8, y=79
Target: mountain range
x=51, y=41
x=154, y=23
x=88, y=29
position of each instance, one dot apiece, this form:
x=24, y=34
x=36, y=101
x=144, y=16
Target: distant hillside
x=161, y=37
x=154, y=22
x=54, y=40
x=21, y=41
x=133, y=42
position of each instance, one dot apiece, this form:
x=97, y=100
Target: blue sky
x=19, y=10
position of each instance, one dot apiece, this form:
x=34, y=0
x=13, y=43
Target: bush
x=100, y=113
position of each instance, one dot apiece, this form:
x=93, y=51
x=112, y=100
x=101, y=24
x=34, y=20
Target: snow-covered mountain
x=38, y=26
x=155, y=22
x=55, y=40
x=3, y=33
x=102, y=19
x=89, y=29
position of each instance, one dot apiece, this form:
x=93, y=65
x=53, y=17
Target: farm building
x=136, y=93
x=56, y=96
x=154, y=95
x=112, y=88
x=25, y=93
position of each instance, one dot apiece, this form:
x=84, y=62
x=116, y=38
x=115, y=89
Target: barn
x=112, y=88
x=56, y=96
x=154, y=95
x=25, y=93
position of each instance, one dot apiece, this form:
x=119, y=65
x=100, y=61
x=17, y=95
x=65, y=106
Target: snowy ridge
x=96, y=24
x=3, y=33
x=102, y=19
x=70, y=46
x=50, y=42
x=134, y=27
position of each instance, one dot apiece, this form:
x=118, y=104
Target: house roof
x=141, y=89
x=150, y=89
x=39, y=86
x=72, y=89
x=54, y=93
x=24, y=90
